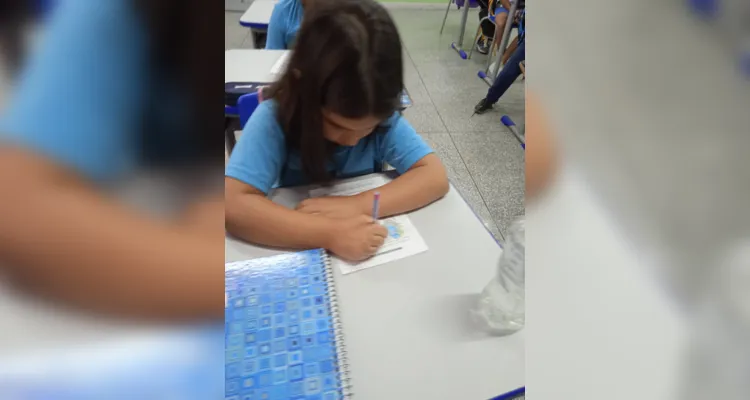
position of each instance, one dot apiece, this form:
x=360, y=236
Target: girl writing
x=332, y=115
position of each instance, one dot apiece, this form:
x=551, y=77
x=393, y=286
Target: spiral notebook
x=282, y=330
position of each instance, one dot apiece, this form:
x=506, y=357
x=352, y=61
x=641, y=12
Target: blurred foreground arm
x=541, y=153
x=62, y=239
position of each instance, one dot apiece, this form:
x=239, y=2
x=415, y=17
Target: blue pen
x=375, y=206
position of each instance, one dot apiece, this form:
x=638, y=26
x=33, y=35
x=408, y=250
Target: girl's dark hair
x=347, y=59
x=180, y=54
x=186, y=56
x=14, y=15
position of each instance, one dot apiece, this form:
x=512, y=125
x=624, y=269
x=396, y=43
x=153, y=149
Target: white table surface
x=599, y=325
x=407, y=326
x=250, y=65
x=258, y=13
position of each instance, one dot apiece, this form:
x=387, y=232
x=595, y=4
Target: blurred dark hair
x=347, y=59
x=14, y=15
x=186, y=55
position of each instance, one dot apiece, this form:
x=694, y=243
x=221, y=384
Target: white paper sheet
x=280, y=65
x=403, y=238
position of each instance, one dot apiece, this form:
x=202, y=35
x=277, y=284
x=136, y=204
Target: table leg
x=231, y=124
x=259, y=39
x=514, y=130
x=458, y=44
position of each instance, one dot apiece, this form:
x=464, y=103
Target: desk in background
x=257, y=17
x=250, y=65
x=246, y=66
x=406, y=323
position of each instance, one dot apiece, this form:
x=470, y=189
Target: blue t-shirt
x=262, y=161
x=284, y=24
x=83, y=95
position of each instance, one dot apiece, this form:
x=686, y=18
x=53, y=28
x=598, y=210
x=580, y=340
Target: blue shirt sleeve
x=260, y=153
x=78, y=100
x=277, y=27
x=402, y=147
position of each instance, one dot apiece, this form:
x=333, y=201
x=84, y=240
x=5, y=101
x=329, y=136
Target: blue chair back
x=246, y=105
x=472, y=3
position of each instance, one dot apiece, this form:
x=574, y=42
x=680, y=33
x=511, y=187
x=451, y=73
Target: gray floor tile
x=455, y=89
x=461, y=178
x=424, y=117
x=496, y=164
x=413, y=81
x=249, y=42
x=444, y=78
x=234, y=33
x=420, y=29
x=457, y=109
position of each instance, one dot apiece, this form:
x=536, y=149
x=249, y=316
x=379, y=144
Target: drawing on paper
x=395, y=229
x=403, y=238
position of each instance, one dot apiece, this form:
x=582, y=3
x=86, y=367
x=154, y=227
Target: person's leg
x=483, y=9
x=486, y=26
x=509, y=51
x=504, y=79
x=500, y=19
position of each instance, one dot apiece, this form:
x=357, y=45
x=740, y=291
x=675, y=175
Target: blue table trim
x=511, y=395
x=255, y=25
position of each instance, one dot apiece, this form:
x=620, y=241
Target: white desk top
x=598, y=324
x=250, y=65
x=407, y=326
x=258, y=14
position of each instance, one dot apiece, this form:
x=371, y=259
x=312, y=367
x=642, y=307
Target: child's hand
x=357, y=238
x=332, y=207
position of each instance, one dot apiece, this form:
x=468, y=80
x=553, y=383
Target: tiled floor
x=484, y=161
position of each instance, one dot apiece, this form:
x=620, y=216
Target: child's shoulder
x=266, y=109
x=398, y=123
x=265, y=114
x=289, y=4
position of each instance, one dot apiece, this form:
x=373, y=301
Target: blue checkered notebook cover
x=282, y=330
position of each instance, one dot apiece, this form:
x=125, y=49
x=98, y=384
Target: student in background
x=97, y=104
x=491, y=31
x=284, y=24
x=510, y=72
x=332, y=115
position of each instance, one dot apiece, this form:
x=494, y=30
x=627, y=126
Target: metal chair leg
x=446, y=15
x=476, y=38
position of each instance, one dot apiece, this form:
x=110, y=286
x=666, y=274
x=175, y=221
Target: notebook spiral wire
x=342, y=359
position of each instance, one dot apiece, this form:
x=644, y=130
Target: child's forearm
x=255, y=218
x=415, y=189
x=64, y=241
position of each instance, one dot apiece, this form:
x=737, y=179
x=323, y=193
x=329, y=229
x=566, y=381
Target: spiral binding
x=342, y=361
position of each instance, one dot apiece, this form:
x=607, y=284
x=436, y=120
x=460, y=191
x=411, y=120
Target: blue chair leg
x=514, y=130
